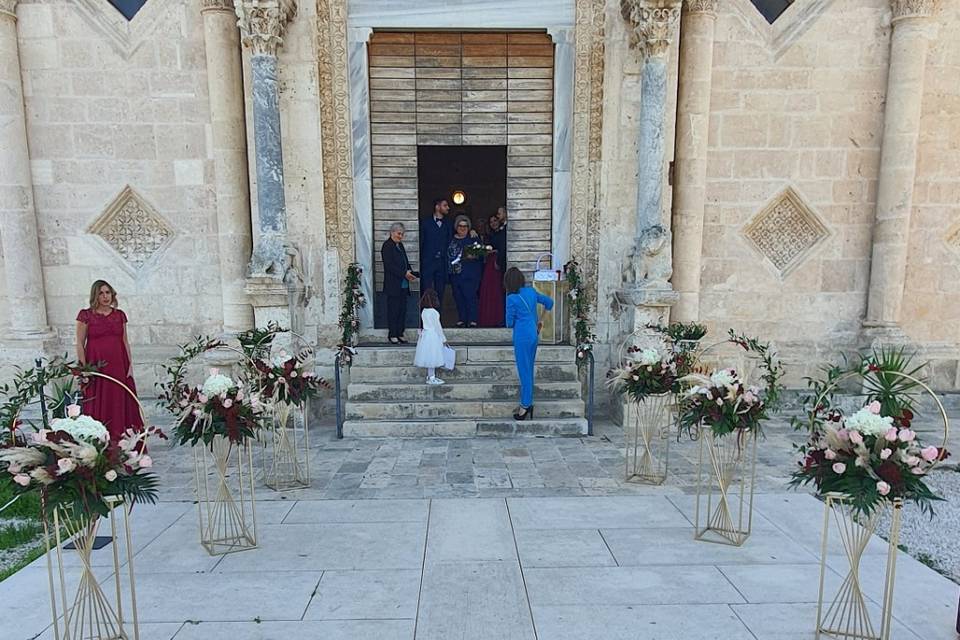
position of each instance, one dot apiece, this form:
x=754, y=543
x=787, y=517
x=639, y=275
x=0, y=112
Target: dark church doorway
x=473, y=179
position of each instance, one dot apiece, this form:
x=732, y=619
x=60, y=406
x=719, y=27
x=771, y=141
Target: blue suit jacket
x=434, y=241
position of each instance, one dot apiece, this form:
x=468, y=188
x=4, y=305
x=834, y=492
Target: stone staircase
x=386, y=394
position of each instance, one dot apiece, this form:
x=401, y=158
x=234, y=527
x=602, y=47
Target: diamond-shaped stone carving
x=133, y=228
x=785, y=231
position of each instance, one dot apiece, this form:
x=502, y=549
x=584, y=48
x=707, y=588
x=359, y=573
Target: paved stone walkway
x=476, y=539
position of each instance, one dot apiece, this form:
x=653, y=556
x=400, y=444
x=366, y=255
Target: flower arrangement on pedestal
x=646, y=372
x=723, y=403
x=76, y=468
x=580, y=310
x=218, y=407
x=353, y=299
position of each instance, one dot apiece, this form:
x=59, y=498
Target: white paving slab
x=366, y=595
x=148, y=631
x=629, y=586
x=470, y=530
x=677, y=547
x=352, y=511
x=794, y=622
x=649, y=622
x=304, y=547
x=315, y=630
x=474, y=601
x=687, y=504
x=563, y=548
x=594, y=513
x=784, y=583
x=176, y=550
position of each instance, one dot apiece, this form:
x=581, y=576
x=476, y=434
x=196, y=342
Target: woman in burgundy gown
x=491, y=293
x=102, y=338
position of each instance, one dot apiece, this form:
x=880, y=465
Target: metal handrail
x=338, y=393
x=590, y=391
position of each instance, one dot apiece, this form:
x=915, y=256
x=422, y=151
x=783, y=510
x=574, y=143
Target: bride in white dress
x=431, y=340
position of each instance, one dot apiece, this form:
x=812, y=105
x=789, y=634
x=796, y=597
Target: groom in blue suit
x=436, y=231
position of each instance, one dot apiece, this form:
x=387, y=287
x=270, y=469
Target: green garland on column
x=353, y=299
x=579, y=311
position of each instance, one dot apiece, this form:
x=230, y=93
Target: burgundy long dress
x=491, y=294
x=104, y=399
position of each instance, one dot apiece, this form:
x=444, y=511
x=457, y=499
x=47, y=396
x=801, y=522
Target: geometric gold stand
x=286, y=452
x=847, y=615
x=225, y=497
x=90, y=614
x=725, y=481
x=648, y=439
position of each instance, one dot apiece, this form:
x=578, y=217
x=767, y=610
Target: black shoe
x=526, y=415
x=394, y=340
x=473, y=325
x=460, y=325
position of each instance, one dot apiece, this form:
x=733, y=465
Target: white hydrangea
x=723, y=378
x=649, y=357
x=82, y=428
x=217, y=384
x=868, y=423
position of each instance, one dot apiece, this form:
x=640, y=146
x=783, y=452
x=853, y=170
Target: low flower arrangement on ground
x=646, y=372
x=477, y=250
x=872, y=456
x=75, y=467
x=218, y=407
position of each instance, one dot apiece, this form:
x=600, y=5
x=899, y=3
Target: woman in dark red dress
x=491, y=293
x=102, y=338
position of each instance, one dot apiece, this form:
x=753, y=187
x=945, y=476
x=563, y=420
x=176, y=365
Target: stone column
x=564, y=57
x=26, y=306
x=272, y=274
x=647, y=287
x=898, y=163
x=225, y=85
x=690, y=162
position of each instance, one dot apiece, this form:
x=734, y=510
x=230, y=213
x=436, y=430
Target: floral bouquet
x=722, y=402
x=648, y=372
x=286, y=381
x=76, y=467
x=477, y=250
x=218, y=407
x=869, y=457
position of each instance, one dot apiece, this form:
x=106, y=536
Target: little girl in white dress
x=431, y=340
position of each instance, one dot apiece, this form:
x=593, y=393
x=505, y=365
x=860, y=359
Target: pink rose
x=22, y=479
x=856, y=437
x=891, y=435
x=874, y=407
x=906, y=435
x=110, y=475
x=40, y=437
x=202, y=398
x=917, y=471
x=73, y=410
x=293, y=374
x=843, y=434
x=929, y=453
x=886, y=453
x=65, y=465
x=839, y=467
x=830, y=454
x=146, y=462
x=912, y=461
x=14, y=468
x=883, y=488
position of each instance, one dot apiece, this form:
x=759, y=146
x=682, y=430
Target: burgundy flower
x=889, y=472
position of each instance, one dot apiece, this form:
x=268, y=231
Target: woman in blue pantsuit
x=523, y=318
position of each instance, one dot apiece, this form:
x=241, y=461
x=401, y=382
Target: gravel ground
x=14, y=556
x=934, y=542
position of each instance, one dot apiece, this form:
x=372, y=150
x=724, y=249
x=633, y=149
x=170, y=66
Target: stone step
x=459, y=410
x=388, y=356
x=453, y=334
x=571, y=427
x=420, y=392
x=480, y=373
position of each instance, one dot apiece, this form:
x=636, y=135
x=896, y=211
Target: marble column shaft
x=898, y=166
x=26, y=308
x=690, y=156
x=225, y=84
x=650, y=146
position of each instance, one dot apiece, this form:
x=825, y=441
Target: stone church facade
x=791, y=169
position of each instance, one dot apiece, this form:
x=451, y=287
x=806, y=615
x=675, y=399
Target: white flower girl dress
x=429, y=353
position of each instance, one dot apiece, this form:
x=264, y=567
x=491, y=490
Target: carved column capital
x=708, y=7
x=8, y=9
x=652, y=23
x=217, y=5
x=903, y=9
x=262, y=23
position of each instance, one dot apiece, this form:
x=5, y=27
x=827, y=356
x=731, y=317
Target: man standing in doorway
x=436, y=231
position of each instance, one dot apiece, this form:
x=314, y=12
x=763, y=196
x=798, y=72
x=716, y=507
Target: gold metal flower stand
x=286, y=448
x=648, y=439
x=725, y=481
x=847, y=615
x=83, y=610
x=225, y=498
